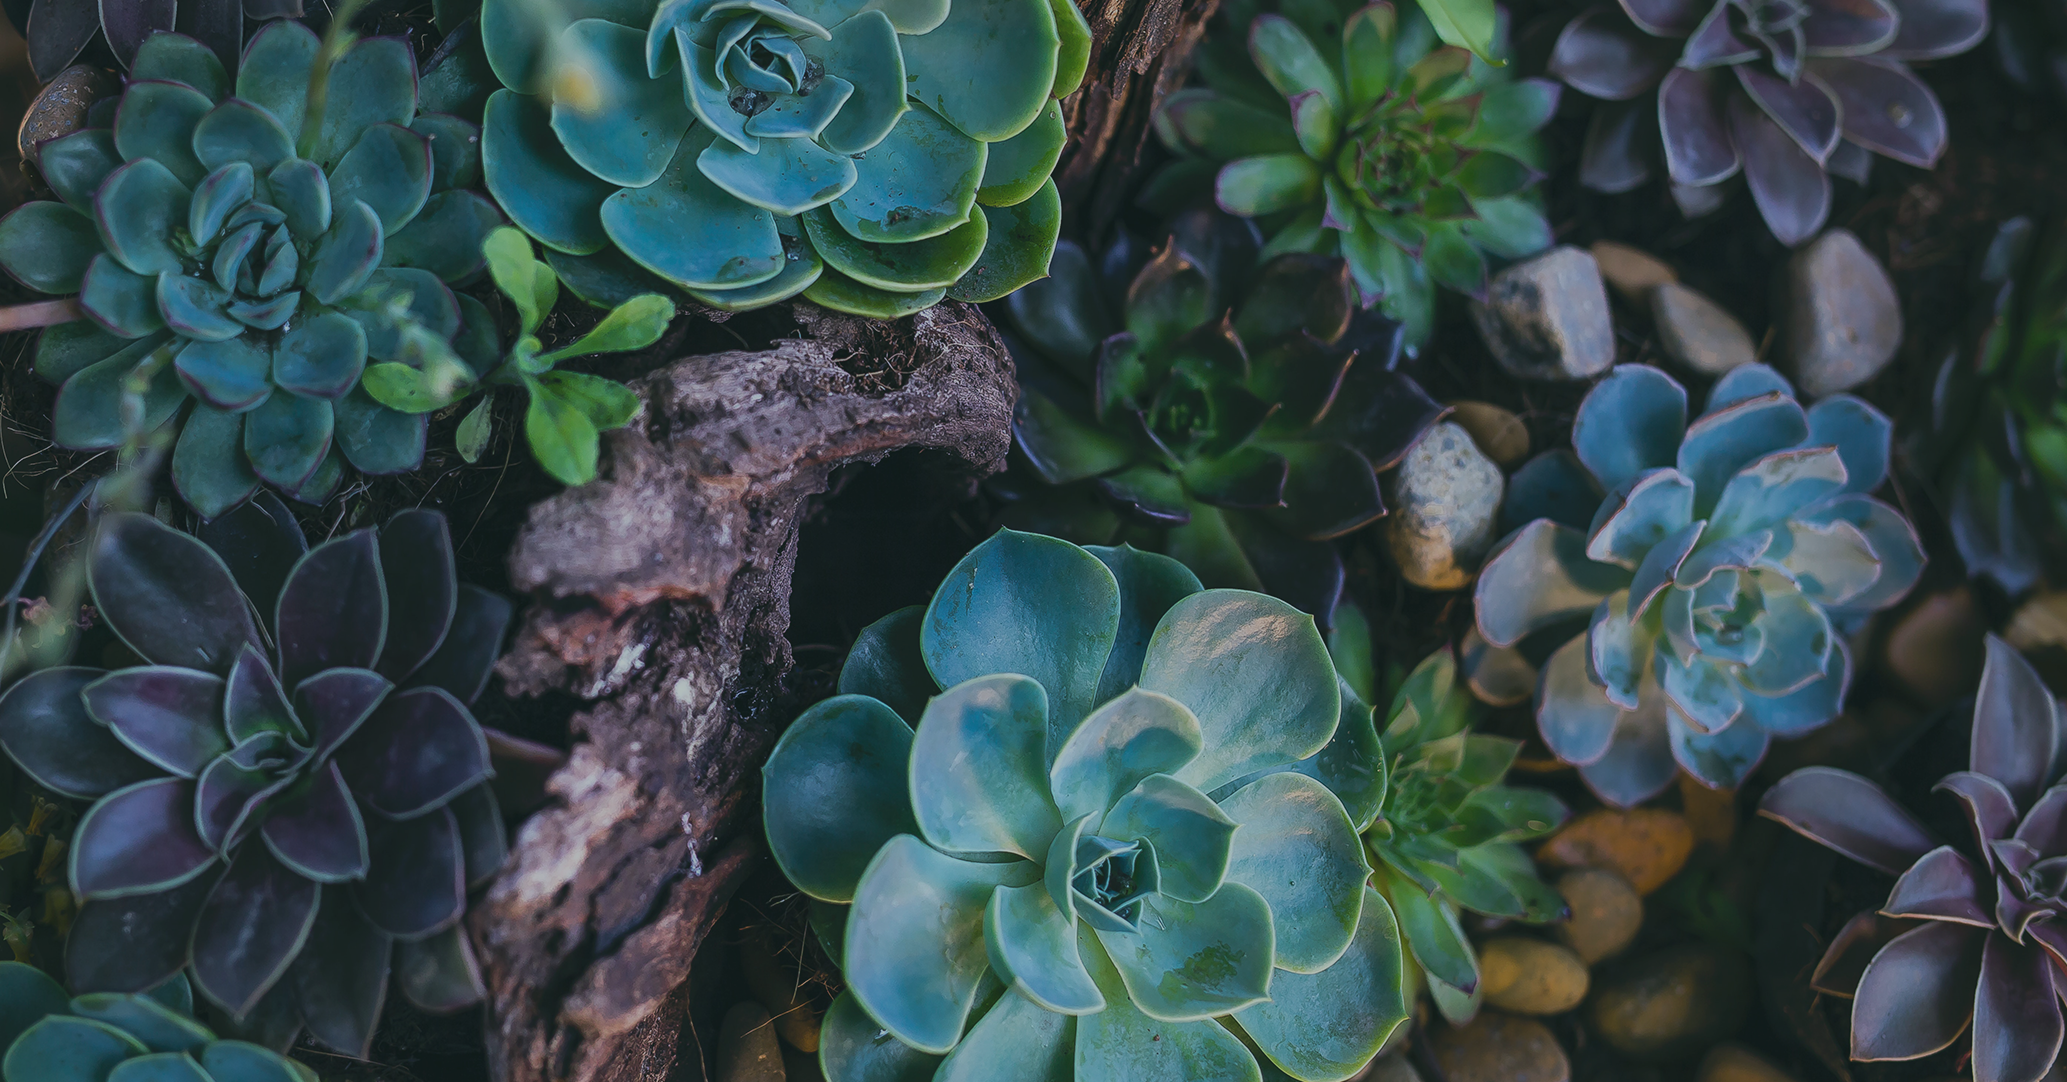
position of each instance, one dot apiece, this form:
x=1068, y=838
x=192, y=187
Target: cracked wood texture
x=1140, y=52
x=661, y=599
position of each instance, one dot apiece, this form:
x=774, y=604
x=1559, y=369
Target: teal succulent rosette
x=244, y=245
x=1711, y=590
x=47, y=1036
x=1120, y=843
x=874, y=157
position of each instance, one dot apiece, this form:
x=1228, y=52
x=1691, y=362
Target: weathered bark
x=1140, y=51
x=662, y=601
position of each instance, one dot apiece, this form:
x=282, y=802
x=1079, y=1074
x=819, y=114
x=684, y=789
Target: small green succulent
x=1221, y=414
x=1343, y=131
x=47, y=1036
x=875, y=157
x=1447, y=835
x=1120, y=837
x=251, y=245
x=567, y=409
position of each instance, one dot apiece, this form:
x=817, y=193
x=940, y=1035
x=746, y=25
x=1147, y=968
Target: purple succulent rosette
x=1785, y=91
x=279, y=807
x=1699, y=610
x=1974, y=932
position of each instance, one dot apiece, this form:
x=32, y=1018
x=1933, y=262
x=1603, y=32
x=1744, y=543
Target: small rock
x=60, y=109
x=1712, y=813
x=1501, y=1048
x=1937, y=649
x=1732, y=1062
x=1646, y=846
x=1392, y=1068
x=747, y=1048
x=775, y=986
x=1498, y=432
x=1529, y=976
x=1606, y=913
x=1843, y=322
x=1674, y=1003
x=1632, y=271
x=1445, y=500
x=1548, y=318
x=1698, y=333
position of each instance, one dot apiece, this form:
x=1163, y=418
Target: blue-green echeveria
x=47, y=1036
x=1721, y=574
x=1111, y=844
x=240, y=243
x=875, y=157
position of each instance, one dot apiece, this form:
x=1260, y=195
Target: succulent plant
x=57, y=31
x=1973, y=932
x=873, y=158
x=567, y=409
x=275, y=806
x=1446, y=835
x=117, y=1037
x=1995, y=439
x=1238, y=441
x=1108, y=842
x=1343, y=131
x=223, y=257
x=1715, y=582
x=1785, y=91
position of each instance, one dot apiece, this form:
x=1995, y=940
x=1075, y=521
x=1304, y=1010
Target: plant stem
x=22, y=317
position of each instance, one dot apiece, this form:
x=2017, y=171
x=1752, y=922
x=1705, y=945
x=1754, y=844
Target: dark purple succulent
x=1972, y=932
x=1786, y=91
x=278, y=806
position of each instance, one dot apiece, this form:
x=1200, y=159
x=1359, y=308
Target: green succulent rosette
x=237, y=243
x=875, y=158
x=1111, y=847
x=1344, y=130
x=1445, y=837
x=47, y=1036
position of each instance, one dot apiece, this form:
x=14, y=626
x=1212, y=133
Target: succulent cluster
x=1784, y=91
x=1973, y=932
x=1715, y=583
x=1111, y=840
x=1222, y=413
x=566, y=410
x=1995, y=440
x=277, y=808
x=251, y=246
x=58, y=31
x=873, y=158
x=1345, y=131
x=1446, y=837
x=120, y=1037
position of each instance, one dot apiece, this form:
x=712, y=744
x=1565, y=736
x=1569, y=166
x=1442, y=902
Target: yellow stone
x=1530, y=976
x=1498, y=432
x=1632, y=272
x=1499, y=1047
x=1712, y=813
x=1606, y=913
x=1732, y=1062
x=1647, y=846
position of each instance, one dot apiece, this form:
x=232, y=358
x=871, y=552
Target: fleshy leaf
x=1122, y=1044
x=138, y=840
x=1191, y=835
x=1850, y=814
x=1194, y=961
x=253, y=924
x=1330, y=1024
x=977, y=778
x=1298, y=850
x=1033, y=945
x=416, y=885
x=46, y=730
x=418, y=751
x=1137, y=734
x=170, y=597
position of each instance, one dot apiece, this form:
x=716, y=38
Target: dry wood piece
x=662, y=600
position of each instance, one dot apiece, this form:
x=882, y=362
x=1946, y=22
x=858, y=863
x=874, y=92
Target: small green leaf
x=401, y=387
x=511, y=265
x=635, y=324
x=474, y=429
x=606, y=403
x=1469, y=24
x=561, y=436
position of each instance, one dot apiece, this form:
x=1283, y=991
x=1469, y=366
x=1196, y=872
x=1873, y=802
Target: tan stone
x=1732, y=1062
x=1674, y=1003
x=774, y=985
x=1712, y=813
x=747, y=1049
x=1606, y=913
x=1632, y=272
x=1937, y=649
x=1497, y=1047
x=1529, y=976
x=1699, y=333
x=1445, y=501
x=1498, y=432
x=1646, y=846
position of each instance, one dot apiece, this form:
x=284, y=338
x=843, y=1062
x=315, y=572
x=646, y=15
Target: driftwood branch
x=662, y=602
